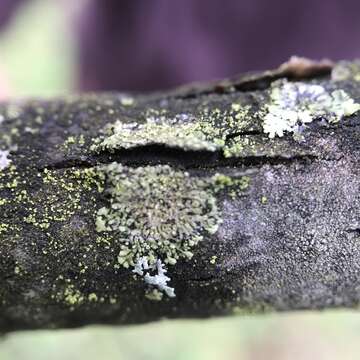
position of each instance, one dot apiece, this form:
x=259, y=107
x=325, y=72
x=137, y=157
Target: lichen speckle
x=295, y=104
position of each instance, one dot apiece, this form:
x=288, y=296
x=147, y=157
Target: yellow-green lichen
x=234, y=186
x=60, y=198
x=264, y=200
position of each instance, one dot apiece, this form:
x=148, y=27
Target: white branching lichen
x=141, y=265
x=158, y=280
x=295, y=104
x=4, y=160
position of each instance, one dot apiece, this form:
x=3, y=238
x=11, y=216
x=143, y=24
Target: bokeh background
x=54, y=47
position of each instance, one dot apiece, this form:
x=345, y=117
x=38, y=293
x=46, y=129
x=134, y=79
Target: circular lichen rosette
x=157, y=213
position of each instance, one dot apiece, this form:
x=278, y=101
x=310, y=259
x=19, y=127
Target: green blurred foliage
x=37, y=55
x=298, y=336
x=37, y=50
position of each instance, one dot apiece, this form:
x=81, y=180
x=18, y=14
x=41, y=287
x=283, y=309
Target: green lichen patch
x=157, y=212
x=207, y=131
x=294, y=104
x=184, y=136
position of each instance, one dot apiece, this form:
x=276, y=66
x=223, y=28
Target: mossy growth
x=294, y=104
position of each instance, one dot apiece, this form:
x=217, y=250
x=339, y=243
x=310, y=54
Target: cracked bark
x=299, y=249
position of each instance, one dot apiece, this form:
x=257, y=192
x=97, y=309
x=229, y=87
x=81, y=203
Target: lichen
x=205, y=132
x=294, y=104
x=4, y=160
x=158, y=214
x=156, y=211
x=185, y=136
x=159, y=280
x=346, y=70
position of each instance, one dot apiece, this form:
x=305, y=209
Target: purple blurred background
x=147, y=45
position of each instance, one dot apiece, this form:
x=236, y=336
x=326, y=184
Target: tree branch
x=246, y=192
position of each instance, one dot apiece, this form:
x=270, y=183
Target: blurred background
x=54, y=47
x=49, y=47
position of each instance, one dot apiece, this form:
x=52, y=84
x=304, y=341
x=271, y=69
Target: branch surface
x=240, y=196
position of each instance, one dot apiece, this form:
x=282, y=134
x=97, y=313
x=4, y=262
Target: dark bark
x=289, y=238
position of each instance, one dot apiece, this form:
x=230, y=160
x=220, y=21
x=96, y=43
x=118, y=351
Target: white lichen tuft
x=141, y=265
x=158, y=280
x=4, y=160
x=295, y=104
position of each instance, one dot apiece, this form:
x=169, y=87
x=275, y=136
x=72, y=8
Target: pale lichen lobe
x=346, y=70
x=293, y=105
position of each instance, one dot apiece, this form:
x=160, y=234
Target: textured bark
x=290, y=240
